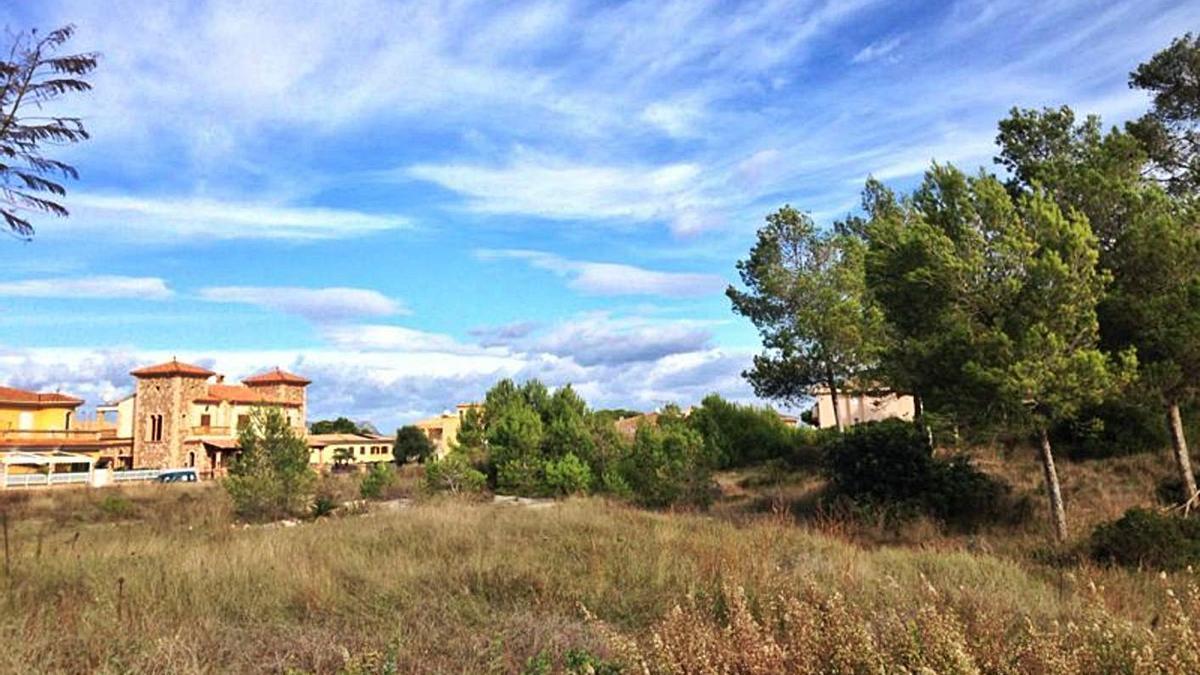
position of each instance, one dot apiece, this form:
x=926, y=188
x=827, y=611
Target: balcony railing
x=57, y=434
x=210, y=430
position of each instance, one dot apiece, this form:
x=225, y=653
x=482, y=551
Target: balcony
x=57, y=434
x=209, y=430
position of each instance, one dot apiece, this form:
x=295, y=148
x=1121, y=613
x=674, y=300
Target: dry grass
x=158, y=579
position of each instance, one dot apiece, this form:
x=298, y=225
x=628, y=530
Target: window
x=191, y=459
x=156, y=427
x=206, y=420
x=243, y=421
x=362, y=449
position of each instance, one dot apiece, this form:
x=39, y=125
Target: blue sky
x=407, y=201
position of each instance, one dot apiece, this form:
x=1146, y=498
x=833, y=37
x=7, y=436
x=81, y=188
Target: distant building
x=329, y=450
x=442, y=430
x=857, y=407
x=183, y=415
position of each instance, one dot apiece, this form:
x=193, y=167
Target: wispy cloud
x=552, y=187
x=193, y=217
x=88, y=287
x=877, y=50
x=316, y=304
x=600, y=278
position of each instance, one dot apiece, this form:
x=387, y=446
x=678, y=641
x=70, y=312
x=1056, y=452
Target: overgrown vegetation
x=890, y=465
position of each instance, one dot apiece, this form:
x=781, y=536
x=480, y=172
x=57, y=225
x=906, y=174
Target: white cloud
x=193, y=217
x=877, y=50
x=551, y=187
x=89, y=287
x=599, y=278
x=383, y=337
x=317, y=304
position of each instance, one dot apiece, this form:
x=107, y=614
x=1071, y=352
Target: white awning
x=45, y=458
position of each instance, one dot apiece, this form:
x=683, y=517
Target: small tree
x=31, y=77
x=379, y=478
x=807, y=295
x=453, y=474
x=410, y=443
x=271, y=477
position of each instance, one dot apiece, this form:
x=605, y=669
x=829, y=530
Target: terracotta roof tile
x=14, y=395
x=172, y=367
x=276, y=376
x=236, y=393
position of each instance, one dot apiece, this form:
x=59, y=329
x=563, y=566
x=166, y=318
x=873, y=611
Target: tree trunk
x=1183, y=462
x=1057, y=513
x=837, y=413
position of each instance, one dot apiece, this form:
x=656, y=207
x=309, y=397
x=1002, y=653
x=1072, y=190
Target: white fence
x=74, y=478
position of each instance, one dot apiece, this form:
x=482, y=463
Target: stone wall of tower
x=170, y=397
x=287, y=393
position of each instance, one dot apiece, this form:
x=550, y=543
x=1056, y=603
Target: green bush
x=523, y=476
x=453, y=474
x=117, y=507
x=377, y=479
x=737, y=435
x=323, y=505
x=1146, y=538
x=568, y=476
x=668, y=465
x=890, y=464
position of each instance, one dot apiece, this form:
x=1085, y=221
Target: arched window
x=192, y=459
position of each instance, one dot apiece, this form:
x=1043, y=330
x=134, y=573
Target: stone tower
x=284, y=387
x=161, y=410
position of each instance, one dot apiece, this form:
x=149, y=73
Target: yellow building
x=36, y=424
x=330, y=450
x=33, y=412
x=442, y=430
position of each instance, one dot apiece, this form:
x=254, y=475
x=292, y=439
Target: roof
x=628, y=426
x=44, y=458
x=221, y=443
x=236, y=393
x=276, y=376
x=322, y=440
x=172, y=367
x=33, y=398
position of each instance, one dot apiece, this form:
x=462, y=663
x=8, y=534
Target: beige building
x=442, y=430
x=858, y=407
x=329, y=450
x=182, y=415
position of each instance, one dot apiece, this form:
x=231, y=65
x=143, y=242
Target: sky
x=405, y=202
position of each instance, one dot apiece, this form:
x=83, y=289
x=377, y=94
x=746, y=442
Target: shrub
x=453, y=474
x=410, y=443
x=117, y=507
x=524, y=476
x=376, y=480
x=668, y=464
x=890, y=464
x=271, y=477
x=736, y=435
x=1146, y=538
x=322, y=506
x=567, y=476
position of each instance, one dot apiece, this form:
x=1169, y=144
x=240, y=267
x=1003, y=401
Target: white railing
x=39, y=479
x=74, y=478
x=136, y=474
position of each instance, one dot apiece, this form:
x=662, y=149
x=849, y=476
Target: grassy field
x=160, y=579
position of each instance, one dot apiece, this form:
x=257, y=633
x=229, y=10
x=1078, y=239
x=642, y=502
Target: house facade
x=442, y=430
x=182, y=415
x=327, y=451
x=858, y=407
